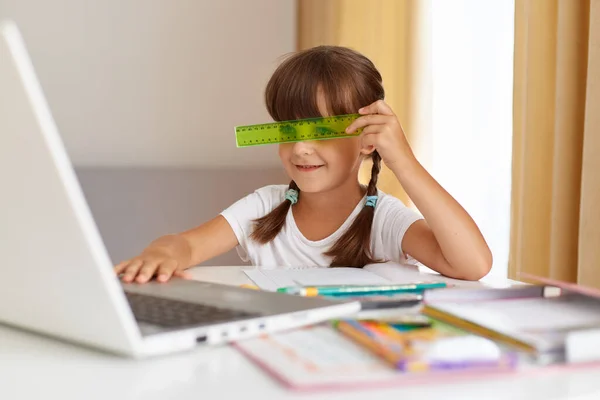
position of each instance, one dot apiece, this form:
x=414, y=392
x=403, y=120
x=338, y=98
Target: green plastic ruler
x=295, y=131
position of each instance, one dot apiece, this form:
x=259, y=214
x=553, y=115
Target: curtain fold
x=589, y=228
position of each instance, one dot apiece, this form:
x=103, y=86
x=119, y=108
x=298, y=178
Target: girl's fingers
x=371, y=130
x=147, y=271
x=141, y=271
x=365, y=120
x=132, y=270
x=166, y=270
x=379, y=107
x=121, y=266
x=182, y=274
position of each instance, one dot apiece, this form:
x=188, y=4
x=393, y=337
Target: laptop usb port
x=201, y=339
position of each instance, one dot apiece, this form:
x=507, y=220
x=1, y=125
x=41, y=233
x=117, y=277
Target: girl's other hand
x=150, y=264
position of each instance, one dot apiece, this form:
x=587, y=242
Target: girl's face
x=321, y=165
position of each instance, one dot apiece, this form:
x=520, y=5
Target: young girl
x=325, y=217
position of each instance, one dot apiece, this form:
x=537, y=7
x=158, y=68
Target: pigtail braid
x=267, y=227
x=353, y=248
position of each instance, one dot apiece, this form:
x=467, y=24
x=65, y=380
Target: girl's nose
x=304, y=148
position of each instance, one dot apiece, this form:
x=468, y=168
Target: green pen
x=360, y=289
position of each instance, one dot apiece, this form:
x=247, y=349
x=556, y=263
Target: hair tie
x=371, y=201
x=292, y=195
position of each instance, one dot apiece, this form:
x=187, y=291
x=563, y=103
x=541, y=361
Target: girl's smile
x=308, y=168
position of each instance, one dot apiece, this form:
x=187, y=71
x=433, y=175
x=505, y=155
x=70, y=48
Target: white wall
x=134, y=206
x=156, y=82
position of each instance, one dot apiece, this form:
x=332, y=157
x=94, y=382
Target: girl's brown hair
x=349, y=81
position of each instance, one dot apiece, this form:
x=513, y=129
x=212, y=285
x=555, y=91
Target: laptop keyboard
x=180, y=314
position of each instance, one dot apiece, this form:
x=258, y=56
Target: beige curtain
x=394, y=35
x=555, y=222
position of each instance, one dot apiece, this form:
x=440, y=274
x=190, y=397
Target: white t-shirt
x=291, y=249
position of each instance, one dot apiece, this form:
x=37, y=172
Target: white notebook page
x=272, y=279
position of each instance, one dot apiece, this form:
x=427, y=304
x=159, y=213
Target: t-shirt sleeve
x=241, y=214
x=395, y=219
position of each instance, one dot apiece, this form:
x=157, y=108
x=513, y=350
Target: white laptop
x=56, y=277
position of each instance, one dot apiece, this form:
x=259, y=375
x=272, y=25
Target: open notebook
x=375, y=274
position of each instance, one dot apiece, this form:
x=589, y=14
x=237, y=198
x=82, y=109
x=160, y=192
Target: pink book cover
x=566, y=286
x=401, y=380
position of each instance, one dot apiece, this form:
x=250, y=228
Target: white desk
x=34, y=367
